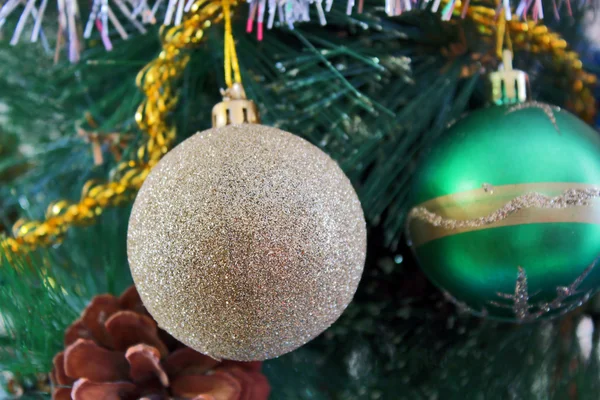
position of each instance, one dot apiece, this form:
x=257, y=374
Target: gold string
x=231, y=59
x=500, y=35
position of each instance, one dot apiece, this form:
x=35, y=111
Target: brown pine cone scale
x=116, y=351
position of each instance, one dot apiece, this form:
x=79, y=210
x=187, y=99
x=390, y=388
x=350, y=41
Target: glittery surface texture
x=570, y=198
x=245, y=242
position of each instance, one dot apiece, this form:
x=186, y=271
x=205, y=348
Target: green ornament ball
x=505, y=212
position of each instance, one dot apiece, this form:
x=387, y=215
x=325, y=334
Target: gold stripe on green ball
x=492, y=207
x=505, y=214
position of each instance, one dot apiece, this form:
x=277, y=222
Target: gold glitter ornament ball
x=245, y=242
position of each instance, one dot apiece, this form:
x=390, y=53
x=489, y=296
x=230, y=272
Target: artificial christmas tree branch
x=400, y=338
x=151, y=118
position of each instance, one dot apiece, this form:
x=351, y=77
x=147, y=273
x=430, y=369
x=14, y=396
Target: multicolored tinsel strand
x=107, y=15
x=157, y=81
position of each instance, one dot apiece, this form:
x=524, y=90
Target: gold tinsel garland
x=157, y=80
x=534, y=37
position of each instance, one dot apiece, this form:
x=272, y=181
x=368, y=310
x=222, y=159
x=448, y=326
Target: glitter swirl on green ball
x=505, y=215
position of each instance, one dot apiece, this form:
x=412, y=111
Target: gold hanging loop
x=235, y=107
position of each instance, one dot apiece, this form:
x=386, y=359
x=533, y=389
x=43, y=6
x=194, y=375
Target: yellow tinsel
x=156, y=80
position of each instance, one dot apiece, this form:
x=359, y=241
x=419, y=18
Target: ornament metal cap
x=235, y=108
x=509, y=86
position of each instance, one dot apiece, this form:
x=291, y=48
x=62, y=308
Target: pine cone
x=115, y=351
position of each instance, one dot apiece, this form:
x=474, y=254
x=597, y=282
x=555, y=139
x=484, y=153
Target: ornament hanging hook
x=235, y=107
x=509, y=86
